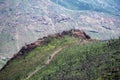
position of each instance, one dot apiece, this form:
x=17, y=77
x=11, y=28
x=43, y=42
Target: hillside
x=24, y=21
x=65, y=56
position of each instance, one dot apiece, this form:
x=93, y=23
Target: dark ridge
x=93, y=31
x=106, y=27
x=45, y=40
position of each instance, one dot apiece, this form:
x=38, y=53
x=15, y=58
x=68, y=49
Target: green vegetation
x=92, y=61
x=21, y=67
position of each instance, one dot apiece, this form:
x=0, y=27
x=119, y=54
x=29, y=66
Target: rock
x=80, y=34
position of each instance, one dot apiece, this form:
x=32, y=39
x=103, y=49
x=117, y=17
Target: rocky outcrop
x=75, y=33
x=80, y=34
x=42, y=41
x=28, y=47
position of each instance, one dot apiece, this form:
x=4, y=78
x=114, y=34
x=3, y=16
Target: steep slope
x=35, y=55
x=93, y=61
x=66, y=58
x=24, y=21
x=51, y=57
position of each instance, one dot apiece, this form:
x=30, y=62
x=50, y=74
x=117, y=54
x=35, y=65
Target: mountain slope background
x=24, y=21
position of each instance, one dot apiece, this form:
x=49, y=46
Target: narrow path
x=35, y=71
x=51, y=57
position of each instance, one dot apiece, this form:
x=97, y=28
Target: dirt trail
x=51, y=57
x=35, y=71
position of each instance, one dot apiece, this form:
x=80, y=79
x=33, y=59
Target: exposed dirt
x=50, y=58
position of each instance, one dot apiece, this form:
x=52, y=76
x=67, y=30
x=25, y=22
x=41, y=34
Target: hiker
x=49, y=57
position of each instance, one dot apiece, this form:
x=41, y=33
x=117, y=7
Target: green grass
x=19, y=68
x=92, y=61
